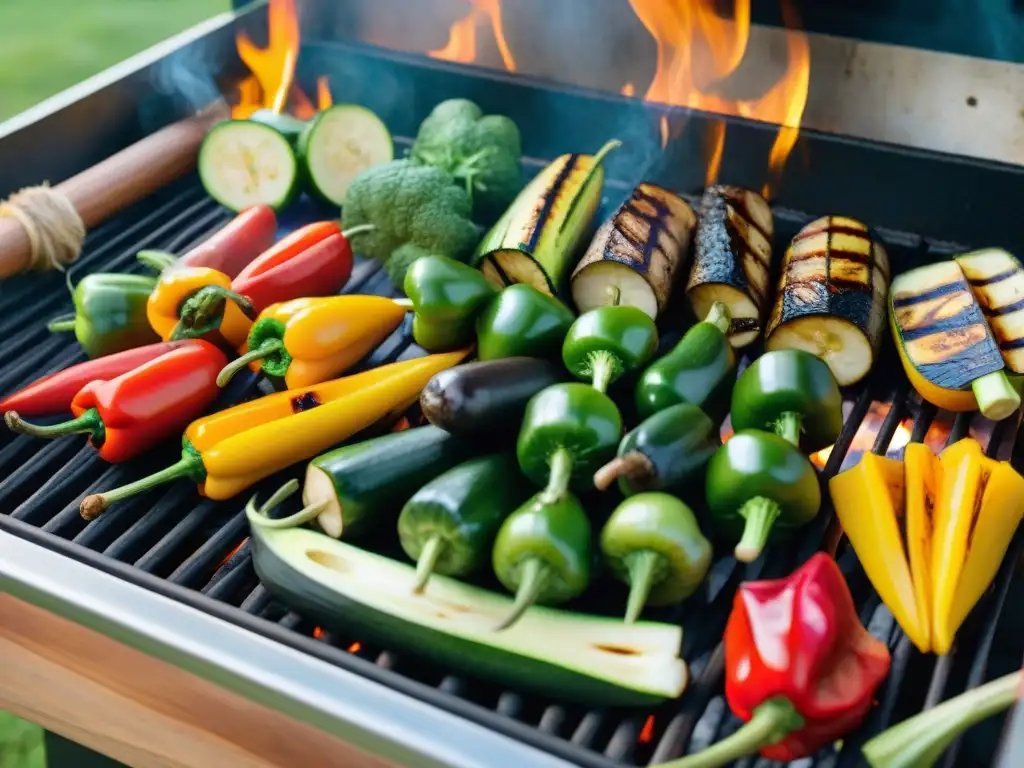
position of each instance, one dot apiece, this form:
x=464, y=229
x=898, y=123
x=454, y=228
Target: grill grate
x=201, y=545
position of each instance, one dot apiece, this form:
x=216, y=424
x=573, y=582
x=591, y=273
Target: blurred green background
x=45, y=47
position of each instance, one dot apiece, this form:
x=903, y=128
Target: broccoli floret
x=409, y=204
x=480, y=150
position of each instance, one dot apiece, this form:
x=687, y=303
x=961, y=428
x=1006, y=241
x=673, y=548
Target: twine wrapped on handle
x=54, y=229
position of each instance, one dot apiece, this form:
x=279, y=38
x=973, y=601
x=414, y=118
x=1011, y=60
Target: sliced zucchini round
x=243, y=163
x=836, y=340
x=338, y=145
x=597, y=284
x=745, y=326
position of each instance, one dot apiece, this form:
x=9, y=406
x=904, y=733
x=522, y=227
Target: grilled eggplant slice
x=831, y=297
x=947, y=348
x=638, y=252
x=997, y=281
x=732, y=259
x=537, y=240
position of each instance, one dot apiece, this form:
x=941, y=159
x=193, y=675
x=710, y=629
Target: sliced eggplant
x=538, y=238
x=831, y=296
x=636, y=254
x=997, y=281
x=732, y=259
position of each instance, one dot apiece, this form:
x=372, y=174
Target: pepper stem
x=358, y=230
x=616, y=294
x=772, y=721
x=204, y=310
x=264, y=349
x=89, y=422
x=559, y=475
x=760, y=512
x=404, y=303
x=603, y=367
x=633, y=465
x=643, y=567
x=788, y=426
x=919, y=741
x=426, y=562
x=260, y=517
x=719, y=316
x=996, y=397
x=190, y=465
x=62, y=324
x=532, y=579
x=158, y=260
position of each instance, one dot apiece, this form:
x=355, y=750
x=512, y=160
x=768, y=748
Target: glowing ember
x=355, y=647
x=461, y=46
x=628, y=90
x=323, y=94
x=232, y=553
x=318, y=632
x=647, y=732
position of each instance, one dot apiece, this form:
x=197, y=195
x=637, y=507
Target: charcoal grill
x=170, y=574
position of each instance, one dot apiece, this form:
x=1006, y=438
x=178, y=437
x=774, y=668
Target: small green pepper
x=110, y=313
x=653, y=543
x=522, y=322
x=607, y=342
x=448, y=525
x=698, y=370
x=789, y=391
x=542, y=553
x=665, y=452
x=568, y=431
x=758, y=484
x=446, y=297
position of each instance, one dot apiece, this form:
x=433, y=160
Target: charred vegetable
x=537, y=239
x=946, y=347
x=831, y=297
x=997, y=281
x=638, y=252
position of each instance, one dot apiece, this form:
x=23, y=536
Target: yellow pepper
x=959, y=510
x=227, y=452
x=218, y=308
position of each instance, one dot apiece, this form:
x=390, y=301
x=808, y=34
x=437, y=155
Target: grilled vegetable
x=449, y=524
x=287, y=125
x=732, y=259
x=997, y=281
x=653, y=543
x=447, y=296
x=666, y=452
x=486, y=399
x=589, y=659
x=945, y=345
x=520, y=322
x=244, y=163
x=338, y=144
x=608, y=342
x=358, y=486
x=639, y=252
x=537, y=239
x=831, y=297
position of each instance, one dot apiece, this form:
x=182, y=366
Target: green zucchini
x=243, y=163
x=592, y=660
x=287, y=125
x=538, y=238
x=367, y=482
x=449, y=524
x=997, y=281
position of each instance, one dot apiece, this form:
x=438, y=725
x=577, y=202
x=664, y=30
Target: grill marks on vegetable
x=997, y=281
x=546, y=203
x=305, y=402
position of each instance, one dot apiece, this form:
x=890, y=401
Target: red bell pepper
x=130, y=413
x=54, y=393
x=801, y=670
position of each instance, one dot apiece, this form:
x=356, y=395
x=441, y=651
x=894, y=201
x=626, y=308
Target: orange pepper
x=221, y=308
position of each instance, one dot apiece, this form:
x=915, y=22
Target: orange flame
x=355, y=647
x=318, y=632
x=628, y=90
x=323, y=94
x=461, y=46
x=647, y=732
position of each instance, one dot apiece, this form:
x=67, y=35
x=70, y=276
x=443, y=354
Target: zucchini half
x=244, y=163
x=997, y=281
x=575, y=657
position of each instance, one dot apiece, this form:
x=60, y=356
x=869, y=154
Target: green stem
x=996, y=397
x=156, y=260
x=603, y=151
x=264, y=349
x=921, y=740
x=532, y=579
x=89, y=422
x=260, y=517
x=426, y=562
x=358, y=230
x=204, y=310
x=760, y=513
x=62, y=324
x=559, y=475
x=719, y=316
x=772, y=721
x=603, y=367
x=643, y=569
x=788, y=426
x=190, y=465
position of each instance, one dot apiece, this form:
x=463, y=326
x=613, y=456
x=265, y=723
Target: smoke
x=184, y=80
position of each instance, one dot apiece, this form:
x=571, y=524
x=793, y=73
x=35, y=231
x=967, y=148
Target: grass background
x=45, y=47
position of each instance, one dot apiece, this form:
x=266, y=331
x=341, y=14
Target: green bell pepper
x=446, y=297
x=522, y=322
x=653, y=543
x=607, y=342
x=542, y=553
x=790, y=392
x=110, y=313
x=568, y=431
x=667, y=451
x=698, y=370
x=759, y=485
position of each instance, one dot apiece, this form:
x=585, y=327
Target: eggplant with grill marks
x=997, y=281
x=732, y=259
x=637, y=252
x=831, y=296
